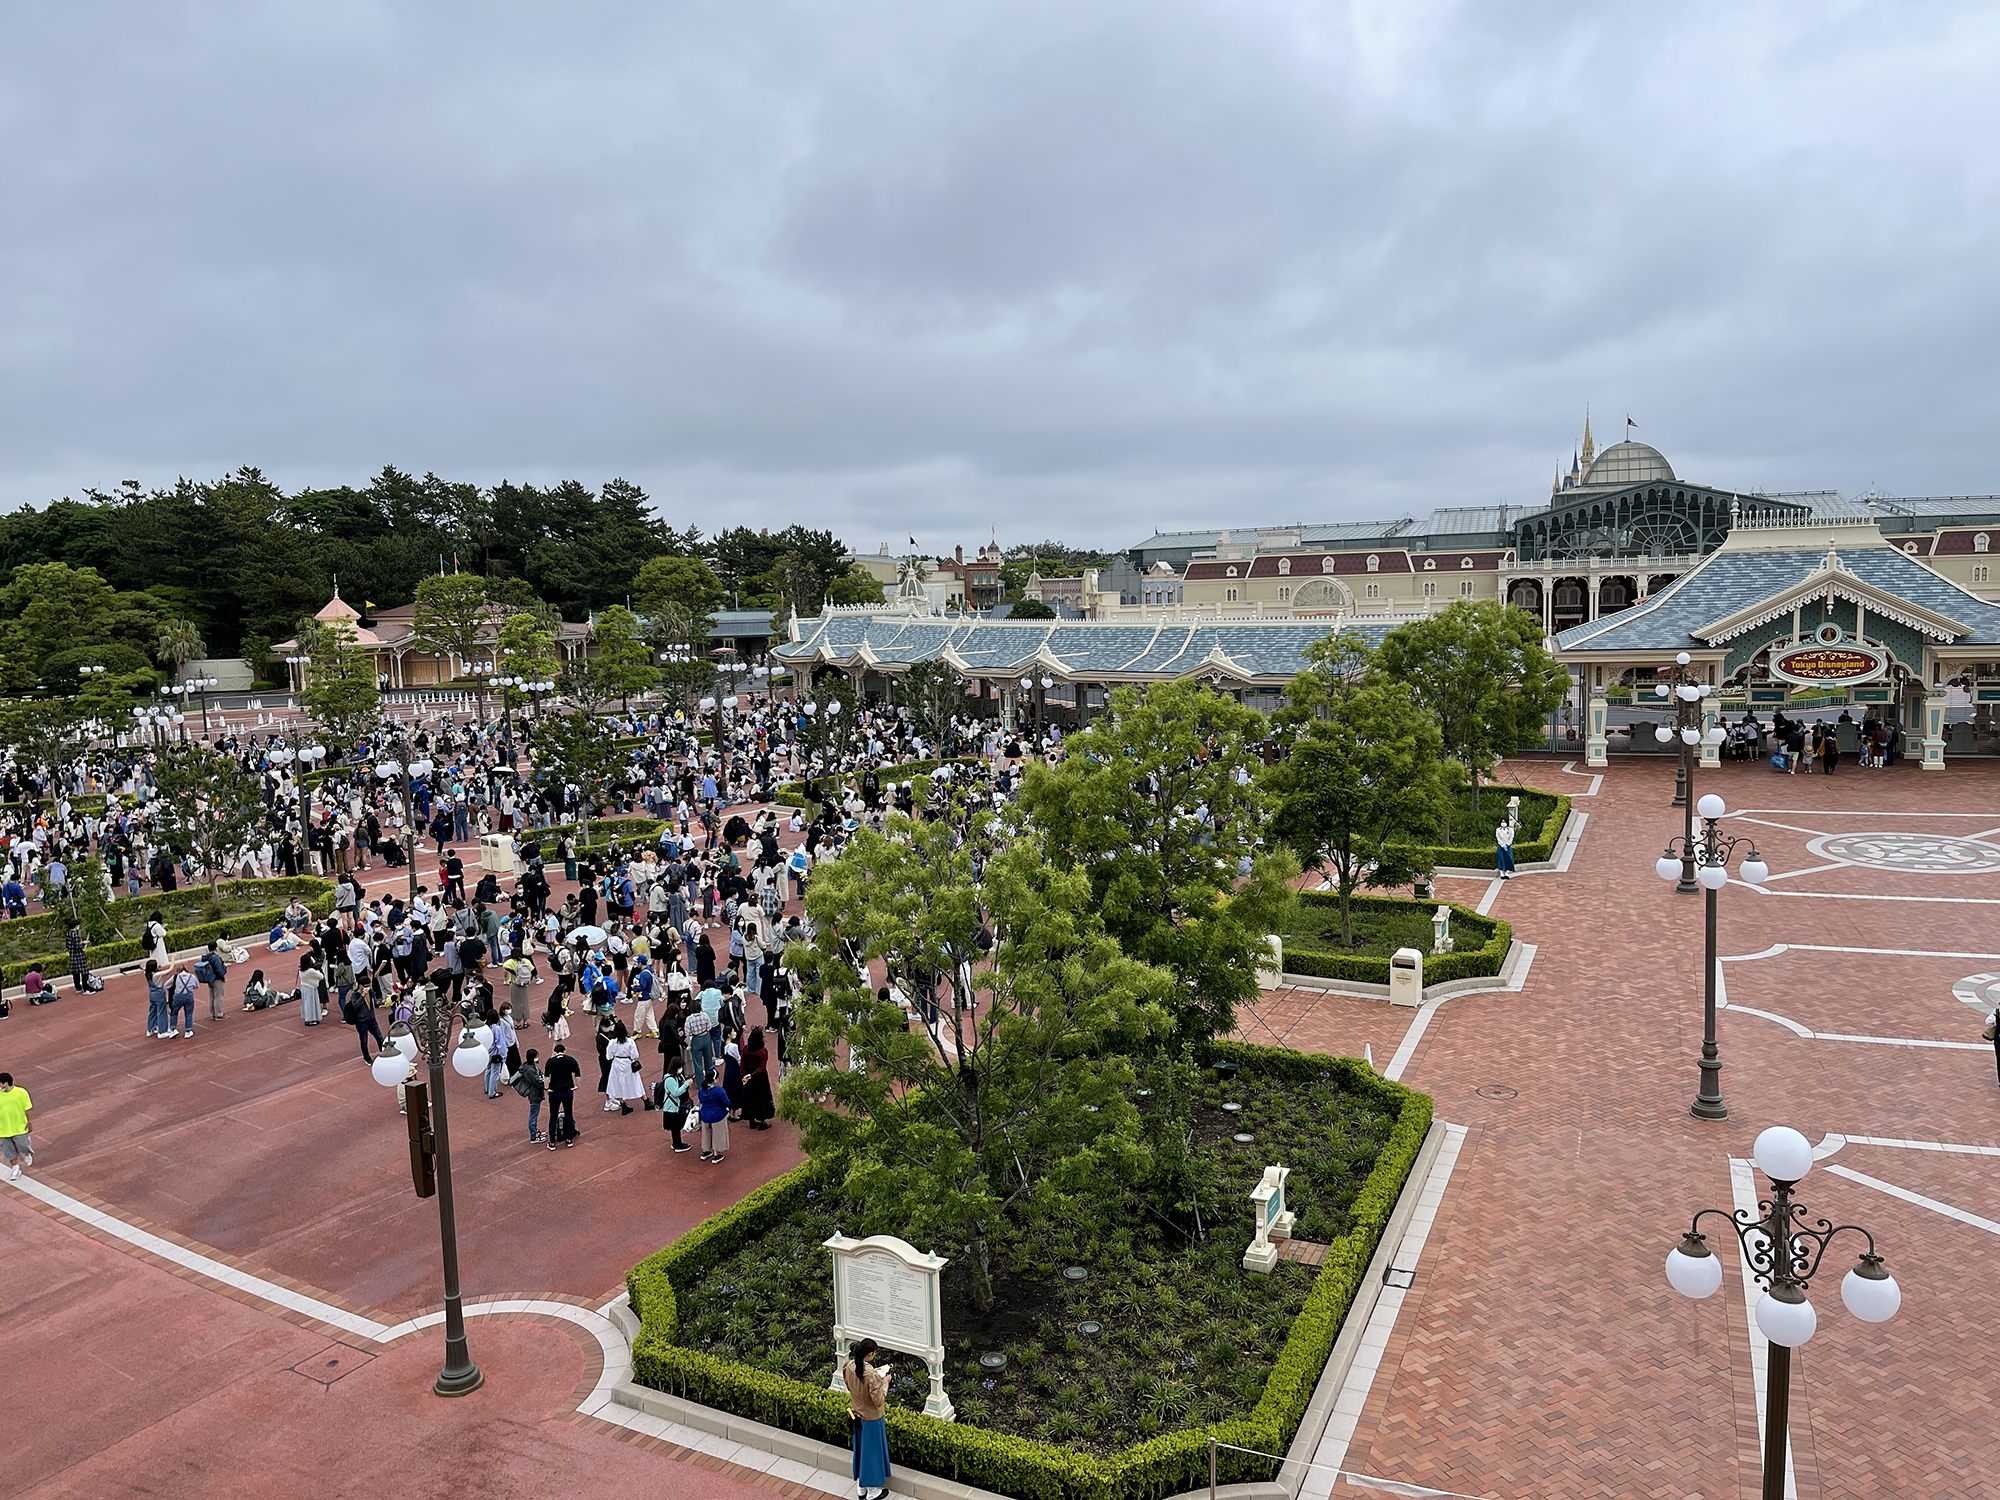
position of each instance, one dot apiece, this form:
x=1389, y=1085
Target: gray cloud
x=1039, y=268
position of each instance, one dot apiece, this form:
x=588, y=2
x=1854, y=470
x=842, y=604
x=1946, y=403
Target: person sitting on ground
x=257, y=995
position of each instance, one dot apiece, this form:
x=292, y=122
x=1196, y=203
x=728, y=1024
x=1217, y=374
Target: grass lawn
x=1182, y=1337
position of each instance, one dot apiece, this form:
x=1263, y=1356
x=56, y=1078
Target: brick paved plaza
x=1539, y=1353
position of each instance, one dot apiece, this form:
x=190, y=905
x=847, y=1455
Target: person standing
x=358, y=1011
x=530, y=1085
x=1503, y=850
x=312, y=988
x=563, y=1073
x=671, y=1094
x=16, y=1150
x=79, y=962
x=714, y=1119
x=625, y=1081
x=758, y=1105
x=868, y=1399
x=156, y=1000
x=180, y=1000
x=213, y=970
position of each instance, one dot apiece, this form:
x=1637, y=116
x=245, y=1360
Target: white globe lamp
x=468, y=1059
x=390, y=1067
x=1711, y=806
x=1782, y=1154
x=1786, y=1322
x=1693, y=1269
x=1870, y=1292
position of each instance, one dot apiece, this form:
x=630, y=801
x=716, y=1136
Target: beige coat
x=867, y=1390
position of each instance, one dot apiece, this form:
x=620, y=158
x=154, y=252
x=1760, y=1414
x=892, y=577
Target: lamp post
x=430, y=1150
x=199, y=685
x=502, y=685
x=298, y=664
x=411, y=771
x=1687, y=695
x=1709, y=854
x=1784, y=1249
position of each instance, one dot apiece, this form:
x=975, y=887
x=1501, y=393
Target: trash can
x=1406, y=977
x=496, y=853
x=1271, y=964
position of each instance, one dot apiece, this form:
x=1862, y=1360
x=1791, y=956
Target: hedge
x=83, y=802
x=1541, y=846
x=1475, y=963
x=126, y=950
x=1018, y=1466
x=793, y=794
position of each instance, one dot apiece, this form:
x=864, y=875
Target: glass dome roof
x=1627, y=463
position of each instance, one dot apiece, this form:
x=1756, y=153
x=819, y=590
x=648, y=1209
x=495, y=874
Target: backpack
x=350, y=1009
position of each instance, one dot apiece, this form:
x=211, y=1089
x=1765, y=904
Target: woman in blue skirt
x=867, y=1396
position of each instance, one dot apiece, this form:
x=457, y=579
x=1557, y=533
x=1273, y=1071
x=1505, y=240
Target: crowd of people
x=1794, y=745
x=666, y=950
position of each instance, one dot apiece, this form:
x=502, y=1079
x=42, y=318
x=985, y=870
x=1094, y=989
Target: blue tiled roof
x=1728, y=581
x=1110, y=648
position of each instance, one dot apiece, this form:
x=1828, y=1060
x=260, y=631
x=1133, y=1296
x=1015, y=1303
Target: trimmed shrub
x=793, y=793
x=1480, y=962
x=1024, y=1467
x=319, y=900
x=1528, y=846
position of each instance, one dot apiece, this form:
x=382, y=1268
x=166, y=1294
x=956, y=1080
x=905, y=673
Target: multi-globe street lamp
x=1688, y=696
x=430, y=1148
x=1783, y=1249
x=412, y=770
x=1041, y=695
x=1709, y=855
x=199, y=685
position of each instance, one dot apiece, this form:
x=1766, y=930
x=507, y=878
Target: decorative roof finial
x=1589, y=444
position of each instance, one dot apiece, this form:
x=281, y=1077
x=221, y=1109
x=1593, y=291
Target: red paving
x=1541, y=1353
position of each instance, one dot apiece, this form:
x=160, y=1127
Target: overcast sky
x=1075, y=269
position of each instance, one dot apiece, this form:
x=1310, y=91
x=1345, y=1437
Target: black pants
x=562, y=1117
x=362, y=1027
x=673, y=1119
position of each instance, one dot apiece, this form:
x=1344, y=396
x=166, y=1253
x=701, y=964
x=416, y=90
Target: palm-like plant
x=179, y=644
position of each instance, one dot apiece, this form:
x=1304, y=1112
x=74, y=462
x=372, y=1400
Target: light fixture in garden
x=427, y=1039
x=1708, y=853
x=1783, y=1249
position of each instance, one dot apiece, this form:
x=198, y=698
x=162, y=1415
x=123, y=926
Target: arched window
x=1430, y=564
x=1465, y=588
x=1569, y=596
x=1979, y=542
x=1232, y=594
x=1612, y=595
x=1465, y=562
x=1284, y=565
x=1430, y=588
x=1284, y=593
x=1374, y=563
x=1526, y=596
x=1374, y=591
x=1232, y=572
x=1326, y=565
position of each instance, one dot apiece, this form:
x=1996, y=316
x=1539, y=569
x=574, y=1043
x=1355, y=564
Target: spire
x=1589, y=445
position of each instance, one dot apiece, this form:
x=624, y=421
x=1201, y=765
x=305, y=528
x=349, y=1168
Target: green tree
x=255, y=649
x=1031, y=609
x=934, y=694
x=1482, y=670
x=179, y=643
x=341, y=694
x=453, y=614
x=572, y=749
x=622, y=662
x=526, y=648
x=854, y=586
x=687, y=583
x=989, y=1134
x=835, y=705
x=205, y=804
x=1157, y=801
x=45, y=733
x=1358, y=787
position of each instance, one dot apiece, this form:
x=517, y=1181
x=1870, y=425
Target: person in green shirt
x=16, y=1151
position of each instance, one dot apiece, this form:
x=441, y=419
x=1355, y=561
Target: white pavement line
x=1596, y=780
x=1420, y=1022
x=1799, y=1029
x=1818, y=833
x=1353, y=1399
x=1917, y=1198
x=1839, y=864
x=1492, y=893
x=1842, y=896
x=1578, y=821
x=1949, y=1147
x=1902, y=1041
x=1832, y=812
x=1829, y=1144
x=1743, y=1189
x=617, y=1353
x=1777, y=948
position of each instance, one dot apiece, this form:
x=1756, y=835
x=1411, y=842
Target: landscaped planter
x=1465, y=962
x=676, y=1292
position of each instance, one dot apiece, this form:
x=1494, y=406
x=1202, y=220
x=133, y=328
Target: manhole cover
x=331, y=1363
x=1497, y=1091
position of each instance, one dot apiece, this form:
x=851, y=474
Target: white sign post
x=888, y=1290
x=1274, y=1222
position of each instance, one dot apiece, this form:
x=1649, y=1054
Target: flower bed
x=737, y=1313
x=1312, y=943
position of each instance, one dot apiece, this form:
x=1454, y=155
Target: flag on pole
x=1629, y=423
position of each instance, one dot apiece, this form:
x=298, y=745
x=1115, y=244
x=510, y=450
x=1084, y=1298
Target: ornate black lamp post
x=430, y=1149
x=1784, y=1250
x=1687, y=695
x=1708, y=855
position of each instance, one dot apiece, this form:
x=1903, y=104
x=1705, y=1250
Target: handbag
x=1992, y=1027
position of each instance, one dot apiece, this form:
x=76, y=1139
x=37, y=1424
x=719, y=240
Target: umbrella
x=593, y=936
